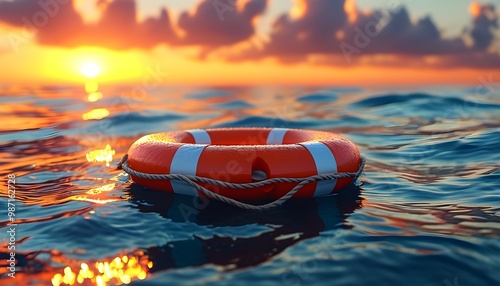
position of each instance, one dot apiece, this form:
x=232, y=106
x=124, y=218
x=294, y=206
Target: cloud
x=311, y=32
x=56, y=22
x=485, y=21
x=218, y=22
x=396, y=34
x=214, y=23
x=392, y=32
x=335, y=30
x=14, y=12
x=119, y=28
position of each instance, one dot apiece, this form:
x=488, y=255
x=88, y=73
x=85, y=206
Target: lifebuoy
x=244, y=155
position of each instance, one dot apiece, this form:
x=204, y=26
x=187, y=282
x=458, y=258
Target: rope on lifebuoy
x=192, y=181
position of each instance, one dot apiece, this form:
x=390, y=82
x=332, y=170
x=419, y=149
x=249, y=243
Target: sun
x=90, y=69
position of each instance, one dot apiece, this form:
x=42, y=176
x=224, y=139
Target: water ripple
x=426, y=211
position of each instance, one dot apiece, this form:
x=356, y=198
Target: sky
x=249, y=42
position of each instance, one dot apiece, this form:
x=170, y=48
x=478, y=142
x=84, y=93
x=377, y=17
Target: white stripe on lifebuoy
x=276, y=136
x=185, y=162
x=325, y=163
x=200, y=136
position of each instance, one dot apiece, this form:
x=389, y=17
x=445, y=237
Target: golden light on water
x=101, y=155
x=94, y=96
x=119, y=270
x=96, y=114
x=95, y=201
x=102, y=189
x=97, y=195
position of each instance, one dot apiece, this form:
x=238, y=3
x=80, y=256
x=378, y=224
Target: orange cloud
x=214, y=24
x=475, y=9
x=351, y=10
x=335, y=30
x=56, y=22
x=485, y=21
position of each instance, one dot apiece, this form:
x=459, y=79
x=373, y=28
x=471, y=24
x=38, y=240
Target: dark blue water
x=426, y=211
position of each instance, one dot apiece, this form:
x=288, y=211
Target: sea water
x=426, y=210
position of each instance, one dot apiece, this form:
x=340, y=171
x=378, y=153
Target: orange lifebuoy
x=244, y=155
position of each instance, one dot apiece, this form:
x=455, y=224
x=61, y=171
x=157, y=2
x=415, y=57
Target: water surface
x=425, y=212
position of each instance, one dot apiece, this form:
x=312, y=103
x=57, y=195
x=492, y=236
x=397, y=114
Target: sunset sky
x=249, y=42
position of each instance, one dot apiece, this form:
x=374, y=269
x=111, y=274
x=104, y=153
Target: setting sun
x=90, y=69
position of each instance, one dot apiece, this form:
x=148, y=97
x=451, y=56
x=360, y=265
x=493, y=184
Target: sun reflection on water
x=94, y=96
x=97, y=195
x=119, y=270
x=96, y=114
x=101, y=155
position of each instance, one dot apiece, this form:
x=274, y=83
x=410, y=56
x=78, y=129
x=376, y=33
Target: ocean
x=426, y=210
